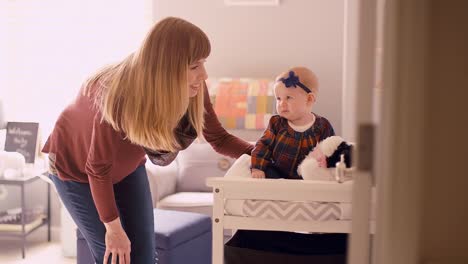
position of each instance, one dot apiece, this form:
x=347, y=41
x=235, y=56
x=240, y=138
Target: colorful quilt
x=243, y=103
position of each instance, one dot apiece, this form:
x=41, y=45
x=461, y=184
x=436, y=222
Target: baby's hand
x=259, y=174
x=318, y=155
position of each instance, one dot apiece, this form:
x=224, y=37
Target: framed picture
x=23, y=137
x=251, y=2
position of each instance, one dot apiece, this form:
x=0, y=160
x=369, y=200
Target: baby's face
x=291, y=103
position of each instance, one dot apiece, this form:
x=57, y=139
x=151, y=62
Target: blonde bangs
x=200, y=47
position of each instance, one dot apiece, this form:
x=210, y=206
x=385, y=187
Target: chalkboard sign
x=23, y=138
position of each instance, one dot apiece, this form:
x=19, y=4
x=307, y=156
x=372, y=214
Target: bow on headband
x=293, y=81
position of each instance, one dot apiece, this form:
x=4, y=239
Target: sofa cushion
x=197, y=202
x=198, y=162
x=184, y=199
x=162, y=180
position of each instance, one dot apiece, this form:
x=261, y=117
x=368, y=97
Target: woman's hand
x=259, y=174
x=117, y=243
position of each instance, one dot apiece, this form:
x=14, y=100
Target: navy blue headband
x=293, y=81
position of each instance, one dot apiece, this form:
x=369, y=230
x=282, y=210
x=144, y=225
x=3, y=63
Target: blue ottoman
x=181, y=238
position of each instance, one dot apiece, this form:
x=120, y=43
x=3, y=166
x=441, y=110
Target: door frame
x=359, y=75
x=399, y=163
x=398, y=147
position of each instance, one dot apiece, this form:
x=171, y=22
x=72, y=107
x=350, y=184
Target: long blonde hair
x=146, y=94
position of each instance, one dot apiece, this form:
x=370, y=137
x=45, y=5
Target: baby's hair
x=306, y=76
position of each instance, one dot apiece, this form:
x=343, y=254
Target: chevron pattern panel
x=295, y=211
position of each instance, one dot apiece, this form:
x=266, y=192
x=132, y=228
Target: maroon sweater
x=83, y=149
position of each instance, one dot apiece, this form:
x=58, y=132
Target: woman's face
x=196, y=75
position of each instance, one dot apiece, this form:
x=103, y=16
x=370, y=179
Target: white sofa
x=181, y=185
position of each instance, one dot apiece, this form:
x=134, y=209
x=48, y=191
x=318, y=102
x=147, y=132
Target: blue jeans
x=133, y=199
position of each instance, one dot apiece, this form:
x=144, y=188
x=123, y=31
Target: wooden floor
x=38, y=250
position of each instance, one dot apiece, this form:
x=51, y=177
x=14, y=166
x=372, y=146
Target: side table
x=24, y=229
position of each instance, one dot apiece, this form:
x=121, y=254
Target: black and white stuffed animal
x=325, y=155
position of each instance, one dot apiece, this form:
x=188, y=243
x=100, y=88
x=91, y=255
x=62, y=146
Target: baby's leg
x=273, y=173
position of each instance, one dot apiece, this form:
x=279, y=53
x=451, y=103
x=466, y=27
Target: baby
x=295, y=131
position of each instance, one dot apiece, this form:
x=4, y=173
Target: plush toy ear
x=345, y=149
x=330, y=144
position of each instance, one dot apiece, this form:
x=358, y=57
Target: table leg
x=23, y=215
x=48, y=212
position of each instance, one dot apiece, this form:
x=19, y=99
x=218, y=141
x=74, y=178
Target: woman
x=154, y=102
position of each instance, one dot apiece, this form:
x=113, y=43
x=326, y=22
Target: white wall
x=49, y=47
x=264, y=41
x=47, y=50
x=52, y=46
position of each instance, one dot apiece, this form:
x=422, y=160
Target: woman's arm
x=221, y=141
x=104, y=145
